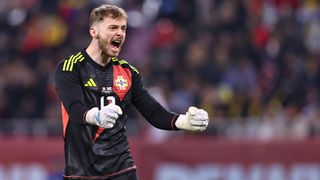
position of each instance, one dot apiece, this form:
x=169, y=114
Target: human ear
x=93, y=32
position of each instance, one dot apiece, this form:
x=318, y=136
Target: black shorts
x=131, y=175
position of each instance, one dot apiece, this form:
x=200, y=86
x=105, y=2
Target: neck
x=97, y=55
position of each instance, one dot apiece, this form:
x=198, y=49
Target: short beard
x=102, y=46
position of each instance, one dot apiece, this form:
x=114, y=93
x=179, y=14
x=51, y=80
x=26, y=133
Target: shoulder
x=68, y=64
x=124, y=64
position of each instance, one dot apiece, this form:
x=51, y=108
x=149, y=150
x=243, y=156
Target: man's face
x=111, y=34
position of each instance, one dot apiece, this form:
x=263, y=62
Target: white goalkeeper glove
x=106, y=117
x=194, y=120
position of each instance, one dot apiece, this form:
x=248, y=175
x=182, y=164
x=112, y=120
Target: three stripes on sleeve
x=68, y=63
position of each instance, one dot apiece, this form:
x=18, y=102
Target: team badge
x=121, y=83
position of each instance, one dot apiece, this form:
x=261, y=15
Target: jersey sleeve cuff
x=173, y=122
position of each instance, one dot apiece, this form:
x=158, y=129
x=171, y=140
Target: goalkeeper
x=96, y=88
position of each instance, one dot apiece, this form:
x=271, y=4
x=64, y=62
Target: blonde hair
x=103, y=11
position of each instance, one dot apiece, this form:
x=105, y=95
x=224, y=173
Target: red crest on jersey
x=121, y=81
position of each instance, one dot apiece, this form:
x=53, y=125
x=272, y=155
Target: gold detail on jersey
x=90, y=83
x=125, y=62
x=68, y=63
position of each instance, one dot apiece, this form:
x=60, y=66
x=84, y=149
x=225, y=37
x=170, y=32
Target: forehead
x=111, y=21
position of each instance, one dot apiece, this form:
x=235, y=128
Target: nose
x=120, y=32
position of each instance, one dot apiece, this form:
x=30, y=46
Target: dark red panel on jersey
x=121, y=81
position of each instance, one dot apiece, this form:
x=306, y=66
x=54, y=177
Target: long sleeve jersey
x=92, y=152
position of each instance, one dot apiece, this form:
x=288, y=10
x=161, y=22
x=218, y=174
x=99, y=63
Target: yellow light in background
x=54, y=30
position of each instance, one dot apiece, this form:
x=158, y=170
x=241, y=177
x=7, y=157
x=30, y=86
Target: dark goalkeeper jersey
x=92, y=152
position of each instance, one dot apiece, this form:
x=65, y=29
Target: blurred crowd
x=252, y=64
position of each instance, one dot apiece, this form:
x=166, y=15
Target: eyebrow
x=117, y=26
x=114, y=25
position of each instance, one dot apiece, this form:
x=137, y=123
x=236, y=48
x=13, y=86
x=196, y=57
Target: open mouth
x=116, y=43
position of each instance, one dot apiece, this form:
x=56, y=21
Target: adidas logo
x=90, y=83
